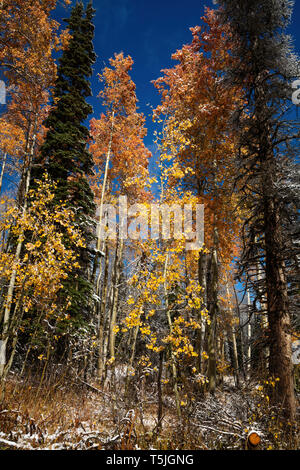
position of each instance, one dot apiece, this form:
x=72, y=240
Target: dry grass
x=80, y=417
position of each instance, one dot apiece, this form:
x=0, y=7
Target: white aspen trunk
x=100, y=246
x=264, y=316
x=233, y=340
x=104, y=183
x=12, y=281
x=173, y=360
x=119, y=252
x=102, y=319
x=2, y=171
x=129, y=367
x=100, y=303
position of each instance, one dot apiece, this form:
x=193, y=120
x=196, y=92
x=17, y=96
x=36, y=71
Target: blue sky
x=149, y=31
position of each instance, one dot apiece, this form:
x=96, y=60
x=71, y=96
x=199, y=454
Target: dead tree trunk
x=280, y=365
x=202, y=277
x=212, y=300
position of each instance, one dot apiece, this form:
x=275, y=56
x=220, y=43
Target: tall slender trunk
x=131, y=360
x=159, y=392
x=12, y=281
x=202, y=277
x=240, y=336
x=280, y=365
x=212, y=293
x=99, y=232
x=213, y=310
x=173, y=359
x=249, y=335
x=102, y=308
x=264, y=349
x=232, y=337
x=115, y=299
x=2, y=171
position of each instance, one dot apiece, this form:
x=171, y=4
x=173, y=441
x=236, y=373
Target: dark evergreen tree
x=268, y=140
x=64, y=154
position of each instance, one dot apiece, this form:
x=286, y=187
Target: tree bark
x=2, y=171
x=232, y=336
x=212, y=300
x=280, y=365
x=102, y=306
x=173, y=359
x=202, y=277
x=115, y=299
x=99, y=238
x=249, y=333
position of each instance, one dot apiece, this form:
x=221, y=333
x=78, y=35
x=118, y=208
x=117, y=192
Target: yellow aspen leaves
x=46, y=261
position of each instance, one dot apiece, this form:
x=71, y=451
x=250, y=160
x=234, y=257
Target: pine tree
x=64, y=154
x=266, y=70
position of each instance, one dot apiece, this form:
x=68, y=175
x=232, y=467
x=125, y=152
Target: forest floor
x=86, y=417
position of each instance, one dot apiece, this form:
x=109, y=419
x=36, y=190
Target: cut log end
x=253, y=439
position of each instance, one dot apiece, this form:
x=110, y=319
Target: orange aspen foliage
x=120, y=131
x=12, y=137
x=28, y=37
x=197, y=143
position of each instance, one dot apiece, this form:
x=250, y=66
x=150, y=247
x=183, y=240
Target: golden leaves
x=46, y=261
x=119, y=133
